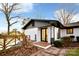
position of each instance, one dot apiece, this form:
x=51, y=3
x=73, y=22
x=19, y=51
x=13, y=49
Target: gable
x=42, y=23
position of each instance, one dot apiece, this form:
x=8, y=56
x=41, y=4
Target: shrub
x=57, y=43
x=67, y=41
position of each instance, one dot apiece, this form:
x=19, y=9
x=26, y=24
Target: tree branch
x=13, y=23
x=14, y=17
x=11, y=8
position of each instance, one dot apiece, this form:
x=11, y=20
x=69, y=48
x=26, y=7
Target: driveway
x=52, y=51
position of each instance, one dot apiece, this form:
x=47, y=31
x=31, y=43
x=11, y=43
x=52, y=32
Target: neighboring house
x=45, y=29
x=71, y=29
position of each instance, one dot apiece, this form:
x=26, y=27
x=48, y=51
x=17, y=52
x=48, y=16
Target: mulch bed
x=24, y=50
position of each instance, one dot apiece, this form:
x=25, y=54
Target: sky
x=37, y=10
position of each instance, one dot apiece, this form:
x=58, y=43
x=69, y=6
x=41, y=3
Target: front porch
x=43, y=45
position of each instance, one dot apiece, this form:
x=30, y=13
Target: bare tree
x=7, y=10
x=65, y=16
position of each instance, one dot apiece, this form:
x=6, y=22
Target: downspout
x=53, y=33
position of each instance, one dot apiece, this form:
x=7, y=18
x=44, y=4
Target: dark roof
x=52, y=22
x=72, y=25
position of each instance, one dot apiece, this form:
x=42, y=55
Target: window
x=69, y=31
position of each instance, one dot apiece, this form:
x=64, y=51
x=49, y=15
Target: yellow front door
x=44, y=34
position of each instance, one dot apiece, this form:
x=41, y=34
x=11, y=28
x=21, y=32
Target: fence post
x=4, y=43
x=15, y=40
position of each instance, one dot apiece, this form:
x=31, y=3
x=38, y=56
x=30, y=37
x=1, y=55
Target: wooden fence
x=7, y=41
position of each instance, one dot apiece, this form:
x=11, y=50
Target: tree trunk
x=8, y=29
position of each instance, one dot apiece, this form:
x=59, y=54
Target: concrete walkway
x=52, y=51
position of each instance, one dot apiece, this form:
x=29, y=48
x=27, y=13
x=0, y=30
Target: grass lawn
x=73, y=52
